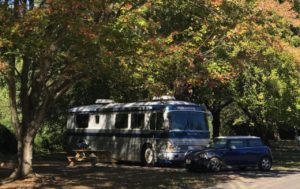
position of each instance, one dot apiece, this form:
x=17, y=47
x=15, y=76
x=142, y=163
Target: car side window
x=237, y=143
x=255, y=143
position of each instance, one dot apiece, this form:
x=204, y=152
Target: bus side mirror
x=210, y=116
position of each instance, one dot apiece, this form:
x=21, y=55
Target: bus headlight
x=172, y=148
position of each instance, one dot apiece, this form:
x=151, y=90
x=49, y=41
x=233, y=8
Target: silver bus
x=148, y=132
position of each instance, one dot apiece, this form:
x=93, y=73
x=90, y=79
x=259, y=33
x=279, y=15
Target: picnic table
x=84, y=155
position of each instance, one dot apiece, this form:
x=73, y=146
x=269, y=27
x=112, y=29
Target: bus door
x=136, y=137
x=156, y=127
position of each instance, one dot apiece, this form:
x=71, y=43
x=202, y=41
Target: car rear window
x=255, y=143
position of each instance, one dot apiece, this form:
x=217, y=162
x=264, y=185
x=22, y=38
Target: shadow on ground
x=57, y=175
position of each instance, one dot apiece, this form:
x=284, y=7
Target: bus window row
x=153, y=121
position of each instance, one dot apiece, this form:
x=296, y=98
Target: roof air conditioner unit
x=104, y=101
x=165, y=97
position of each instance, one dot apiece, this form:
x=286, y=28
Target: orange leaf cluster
x=284, y=9
x=174, y=48
x=3, y=66
x=88, y=33
x=127, y=6
x=216, y=2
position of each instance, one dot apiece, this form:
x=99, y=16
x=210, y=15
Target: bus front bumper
x=171, y=157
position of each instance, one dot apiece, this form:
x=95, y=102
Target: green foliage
x=296, y=41
x=237, y=59
x=4, y=108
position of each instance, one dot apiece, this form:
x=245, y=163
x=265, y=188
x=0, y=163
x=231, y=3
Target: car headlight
x=203, y=155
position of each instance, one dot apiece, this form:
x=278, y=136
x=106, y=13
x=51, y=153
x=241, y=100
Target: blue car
x=231, y=151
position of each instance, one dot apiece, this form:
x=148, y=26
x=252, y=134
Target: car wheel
x=265, y=164
x=215, y=164
x=148, y=156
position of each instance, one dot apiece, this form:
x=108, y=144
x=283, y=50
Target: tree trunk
x=263, y=133
x=276, y=134
x=25, y=149
x=216, y=123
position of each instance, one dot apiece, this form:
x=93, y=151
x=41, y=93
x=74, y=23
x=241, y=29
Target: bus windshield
x=187, y=120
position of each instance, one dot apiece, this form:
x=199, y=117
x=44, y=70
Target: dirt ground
x=55, y=174
x=58, y=175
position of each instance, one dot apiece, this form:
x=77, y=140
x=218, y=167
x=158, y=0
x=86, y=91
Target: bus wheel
x=148, y=156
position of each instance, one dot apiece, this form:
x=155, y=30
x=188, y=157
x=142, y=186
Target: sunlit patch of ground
x=55, y=174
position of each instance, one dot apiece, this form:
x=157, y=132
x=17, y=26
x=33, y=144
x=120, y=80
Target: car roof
x=237, y=137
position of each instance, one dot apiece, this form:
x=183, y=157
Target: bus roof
x=139, y=106
x=237, y=137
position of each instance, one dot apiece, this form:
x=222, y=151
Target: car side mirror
x=232, y=147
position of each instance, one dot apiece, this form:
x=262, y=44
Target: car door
x=235, y=154
x=253, y=151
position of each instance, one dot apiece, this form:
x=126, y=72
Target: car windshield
x=219, y=143
x=187, y=120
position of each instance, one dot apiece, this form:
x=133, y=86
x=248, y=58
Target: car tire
x=215, y=164
x=265, y=164
x=148, y=156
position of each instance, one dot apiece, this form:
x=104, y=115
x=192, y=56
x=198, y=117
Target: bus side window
x=137, y=120
x=97, y=119
x=121, y=121
x=82, y=120
x=159, y=121
x=156, y=121
x=152, y=121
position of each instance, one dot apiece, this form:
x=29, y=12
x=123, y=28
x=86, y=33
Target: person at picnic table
x=82, y=144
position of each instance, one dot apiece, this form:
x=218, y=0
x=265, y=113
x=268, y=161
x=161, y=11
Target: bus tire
x=148, y=156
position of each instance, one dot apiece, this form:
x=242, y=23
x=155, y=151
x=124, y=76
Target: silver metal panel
x=126, y=144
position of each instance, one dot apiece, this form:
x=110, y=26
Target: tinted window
x=121, y=121
x=220, y=143
x=238, y=143
x=153, y=121
x=82, y=120
x=255, y=142
x=156, y=121
x=159, y=121
x=97, y=119
x=137, y=121
x=187, y=120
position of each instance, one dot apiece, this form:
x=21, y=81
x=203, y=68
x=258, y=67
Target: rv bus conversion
x=148, y=132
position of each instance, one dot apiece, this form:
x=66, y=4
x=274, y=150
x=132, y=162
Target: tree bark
x=276, y=134
x=25, y=149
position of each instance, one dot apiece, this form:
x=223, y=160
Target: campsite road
x=266, y=180
x=55, y=174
